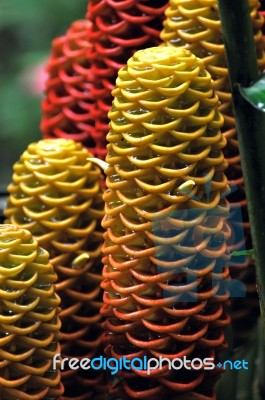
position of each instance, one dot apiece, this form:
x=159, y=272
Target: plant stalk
x=250, y=122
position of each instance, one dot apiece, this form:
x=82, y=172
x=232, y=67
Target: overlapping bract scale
x=84, y=63
x=165, y=254
x=56, y=194
x=29, y=323
x=196, y=25
x=68, y=109
x=118, y=29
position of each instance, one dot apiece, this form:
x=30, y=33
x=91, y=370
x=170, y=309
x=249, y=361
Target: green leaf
x=237, y=253
x=255, y=94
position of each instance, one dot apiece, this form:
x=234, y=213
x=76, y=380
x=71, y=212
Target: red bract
x=68, y=109
x=84, y=63
x=118, y=29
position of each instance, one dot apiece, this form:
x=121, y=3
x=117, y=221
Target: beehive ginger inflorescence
x=196, y=25
x=29, y=323
x=83, y=67
x=165, y=255
x=56, y=194
x=68, y=108
x=118, y=29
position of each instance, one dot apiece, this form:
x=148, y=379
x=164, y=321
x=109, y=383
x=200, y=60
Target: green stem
x=246, y=379
x=260, y=374
x=239, y=41
x=250, y=121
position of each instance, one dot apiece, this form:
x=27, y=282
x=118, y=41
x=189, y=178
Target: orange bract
x=162, y=272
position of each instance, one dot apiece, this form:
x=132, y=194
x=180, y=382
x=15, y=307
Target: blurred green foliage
x=26, y=31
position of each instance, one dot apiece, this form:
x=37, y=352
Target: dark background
x=27, y=28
